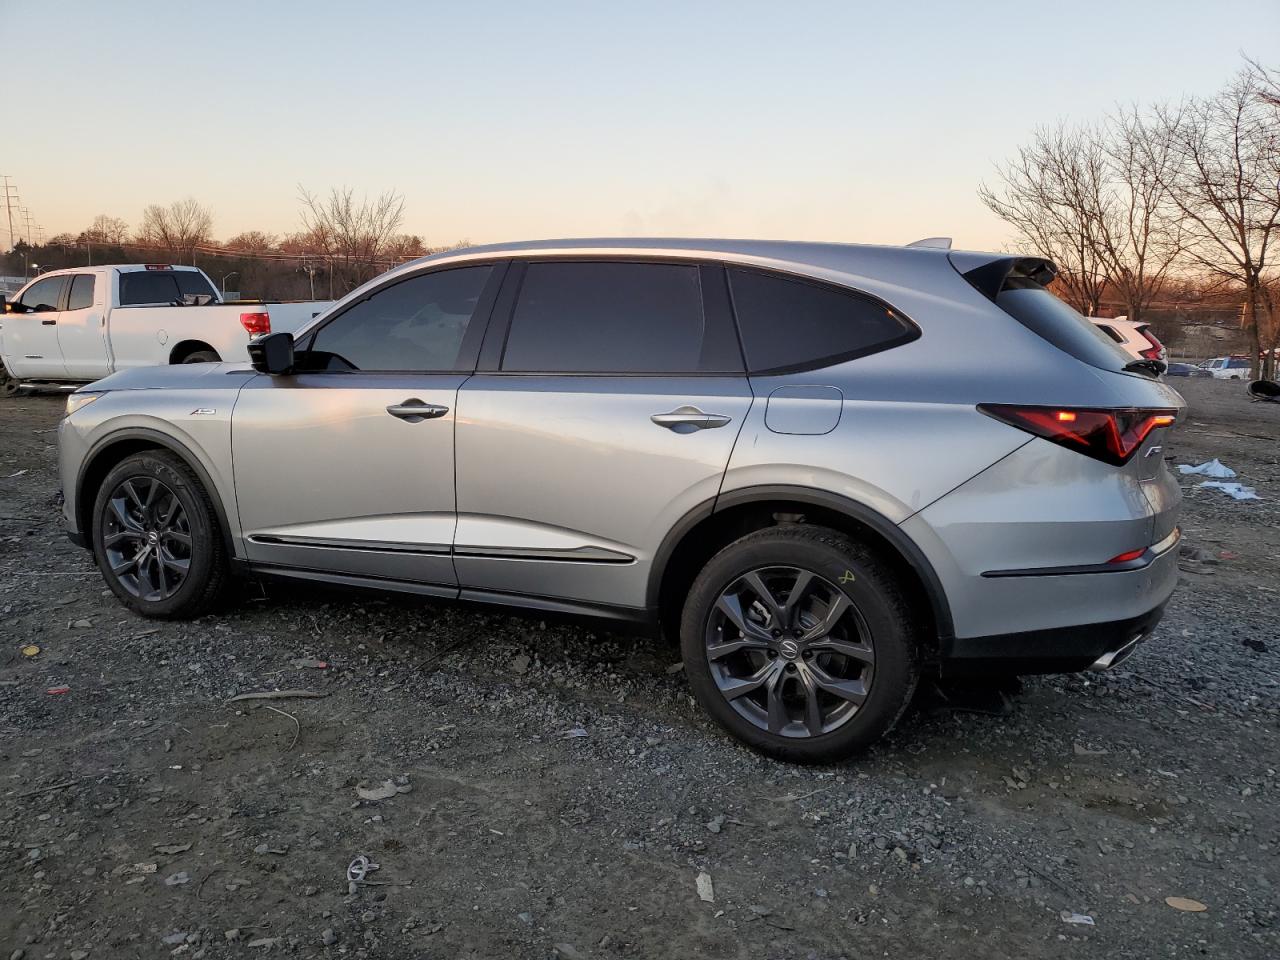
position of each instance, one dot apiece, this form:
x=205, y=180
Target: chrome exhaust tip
x=1115, y=657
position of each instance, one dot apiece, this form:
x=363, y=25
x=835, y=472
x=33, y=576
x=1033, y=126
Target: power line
x=10, y=195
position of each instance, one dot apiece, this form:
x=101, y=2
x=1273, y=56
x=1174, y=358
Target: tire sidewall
x=871, y=591
x=203, y=531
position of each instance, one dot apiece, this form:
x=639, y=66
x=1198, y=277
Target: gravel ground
x=555, y=792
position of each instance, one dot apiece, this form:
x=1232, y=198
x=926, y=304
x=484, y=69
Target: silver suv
x=828, y=468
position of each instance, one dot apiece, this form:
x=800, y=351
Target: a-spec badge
x=203, y=412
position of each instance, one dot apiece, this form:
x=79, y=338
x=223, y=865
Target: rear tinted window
x=788, y=324
x=163, y=286
x=81, y=297
x=615, y=318
x=1042, y=313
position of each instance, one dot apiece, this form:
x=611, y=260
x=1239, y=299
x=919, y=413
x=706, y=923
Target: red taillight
x=1156, y=350
x=256, y=323
x=1112, y=436
x=1128, y=555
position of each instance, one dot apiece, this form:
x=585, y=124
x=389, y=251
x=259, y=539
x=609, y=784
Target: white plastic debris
x=1237, y=491
x=1213, y=468
x=706, y=892
x=1080, y=918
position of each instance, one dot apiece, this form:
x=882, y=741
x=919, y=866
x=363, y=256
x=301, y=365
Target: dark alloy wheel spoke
x=790, y=651
x=146, y=539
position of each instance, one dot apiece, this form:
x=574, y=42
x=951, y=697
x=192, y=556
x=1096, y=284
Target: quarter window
x=81, y=297
x=789, y=324
x=615, y=318
x=414, y=325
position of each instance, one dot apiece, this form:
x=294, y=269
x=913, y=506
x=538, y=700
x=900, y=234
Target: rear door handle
x=691, y=417
x=48, y=323
x=415, y=411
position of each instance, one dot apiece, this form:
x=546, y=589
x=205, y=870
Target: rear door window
x=617, y=317
x=81, y=296
x=791, y=324
x=139, y=287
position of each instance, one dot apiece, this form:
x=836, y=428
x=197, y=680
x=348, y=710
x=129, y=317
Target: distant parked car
x=1187, y=370
x=1133, y=337
x=1229, y=368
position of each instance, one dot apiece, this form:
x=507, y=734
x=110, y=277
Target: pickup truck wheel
x=798, y=641
x=202, y=356
x=8, y=385
x=156, y=537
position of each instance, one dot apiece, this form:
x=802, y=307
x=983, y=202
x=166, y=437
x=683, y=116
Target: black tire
x=202, y=356
x=205, y=554
x=837, y=565
x=8, y=384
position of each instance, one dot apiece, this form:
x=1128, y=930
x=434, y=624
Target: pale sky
x=791, y=120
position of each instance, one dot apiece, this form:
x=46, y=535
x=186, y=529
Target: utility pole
x=10, y=195
x=26, y=217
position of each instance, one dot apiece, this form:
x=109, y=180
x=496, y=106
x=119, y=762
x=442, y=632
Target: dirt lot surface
x=554, y=791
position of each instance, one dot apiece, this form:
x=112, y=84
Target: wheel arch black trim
x=907, y=549
x=84, y=510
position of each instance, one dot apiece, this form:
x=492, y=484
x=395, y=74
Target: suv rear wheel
x=798, y=641
x=156, y=537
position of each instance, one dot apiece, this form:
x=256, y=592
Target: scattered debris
x=177, y=879
x=1236, y=491
x=706, y=892
x=716, y=823
x=1212, y=468
x=574, y=734
x=57, y=691
x=172, y=848
x=265, y=848
x=383, y=791
x=1082, y=919
x=1257, y=646
x=278, y=695
x=1082, y=751
x=1186, y=904
x=302, y=664
x=30, y=650
x=520, y=663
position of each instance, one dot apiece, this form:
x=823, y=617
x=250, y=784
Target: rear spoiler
x=989, y=278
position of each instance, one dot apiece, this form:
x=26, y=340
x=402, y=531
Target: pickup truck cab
x=81, y=324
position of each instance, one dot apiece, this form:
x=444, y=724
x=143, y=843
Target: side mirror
x=272, y=354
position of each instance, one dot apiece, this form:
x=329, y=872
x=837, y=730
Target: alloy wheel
x=146, y=538
x=790, y=651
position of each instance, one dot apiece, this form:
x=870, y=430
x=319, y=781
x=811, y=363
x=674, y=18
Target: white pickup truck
x=73, y=326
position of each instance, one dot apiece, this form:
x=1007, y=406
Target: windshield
x=1042, y=313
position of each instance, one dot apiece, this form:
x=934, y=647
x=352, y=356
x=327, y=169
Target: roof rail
x=933, y=243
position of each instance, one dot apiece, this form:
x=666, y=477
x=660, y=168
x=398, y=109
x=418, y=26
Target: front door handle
x=48, y=323
x=690, y=418
x=414, y=410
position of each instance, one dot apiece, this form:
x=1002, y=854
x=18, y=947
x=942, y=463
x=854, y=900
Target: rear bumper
x=1059, y=650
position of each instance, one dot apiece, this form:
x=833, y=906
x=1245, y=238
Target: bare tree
x=1138, y=229
x=1225, y=181
x=178, y=228
x=1049, y=194
x=106, y=230
x=354, y=237
x=252, y=241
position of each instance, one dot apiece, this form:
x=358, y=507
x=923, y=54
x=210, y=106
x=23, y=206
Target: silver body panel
x=563, y=487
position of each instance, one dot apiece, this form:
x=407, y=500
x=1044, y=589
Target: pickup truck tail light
x=1112, y=436
x=256, y=323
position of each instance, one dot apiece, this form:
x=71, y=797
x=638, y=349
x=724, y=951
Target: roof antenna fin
x=933, y=243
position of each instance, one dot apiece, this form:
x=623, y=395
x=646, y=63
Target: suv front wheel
x=798, y=641
x=156, y=537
